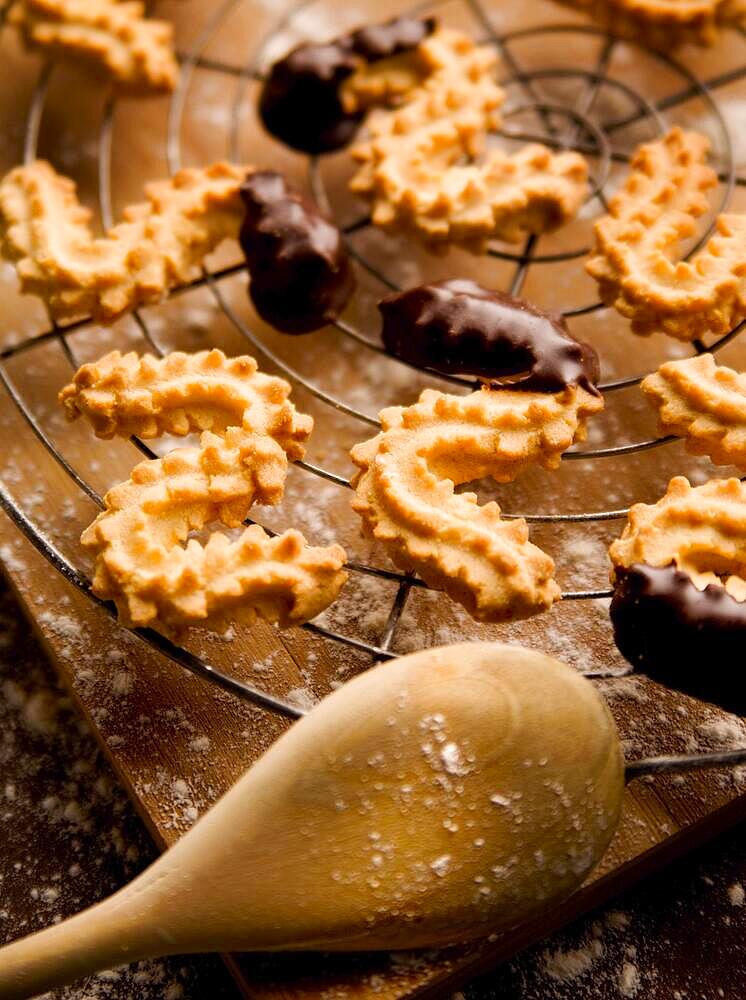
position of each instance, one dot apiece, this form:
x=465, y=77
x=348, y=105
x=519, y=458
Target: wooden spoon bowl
x=443, y=796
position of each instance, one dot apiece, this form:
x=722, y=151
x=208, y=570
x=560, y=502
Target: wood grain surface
x=178, y=743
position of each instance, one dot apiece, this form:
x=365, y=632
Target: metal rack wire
x=578, y=132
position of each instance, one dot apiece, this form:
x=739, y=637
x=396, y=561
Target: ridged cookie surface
x=700, y=530
x=664, y=24
x=635, y=256
x=406, y=498
x=46, y=232
x=412, y=165
x=146, y=561
x=143, y=565
x=705, y=403
x=134, y=51
x=126, y=394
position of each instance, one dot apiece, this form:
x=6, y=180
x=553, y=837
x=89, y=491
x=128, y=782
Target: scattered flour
x=122, y=682
x=629, y=980
x=303, y=697
x=57, y=793
x=629, y=688
x=567, y=965
x=724, y=733
x=736, y=894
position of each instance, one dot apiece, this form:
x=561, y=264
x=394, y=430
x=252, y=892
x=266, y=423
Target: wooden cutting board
x=178, y=743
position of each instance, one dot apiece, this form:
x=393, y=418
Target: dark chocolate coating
x=301, y=276
x=685, y=638
x=400, y=34
x=460, y=327
x=300, y=100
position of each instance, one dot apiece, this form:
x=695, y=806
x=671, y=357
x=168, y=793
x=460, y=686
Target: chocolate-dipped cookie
x=679, y=576
x=686, y=638
x=301, y=275
x=301, y=102
x=459, y=327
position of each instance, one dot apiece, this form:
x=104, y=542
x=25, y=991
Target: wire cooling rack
x=562, y=126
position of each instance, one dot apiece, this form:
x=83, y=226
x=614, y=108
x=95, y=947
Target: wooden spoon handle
x=99, y=938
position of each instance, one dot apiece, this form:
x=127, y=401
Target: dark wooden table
x=68, y=836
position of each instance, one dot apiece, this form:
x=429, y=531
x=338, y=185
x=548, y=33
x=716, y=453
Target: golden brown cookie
x=679, y=604
x=701, y=531
x=145, y=560
x=634, y=259
x=46, y=232
x=406, y=498
x=126, y=394
x=664, y=24
x=135, y=52
x=705, y=403
x=412, y=165
x=155, y=579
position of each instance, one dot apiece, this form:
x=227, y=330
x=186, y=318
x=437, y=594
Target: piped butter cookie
x=664, y=24
x=145, y=560
x=635, y=260
x=46, y=232
x=115, y=38
x=436, y=101
x=703, y=402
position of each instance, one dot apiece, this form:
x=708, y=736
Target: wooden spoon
x=442, y=796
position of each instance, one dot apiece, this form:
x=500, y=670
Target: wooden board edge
x=51, y=654
x=80, y=706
